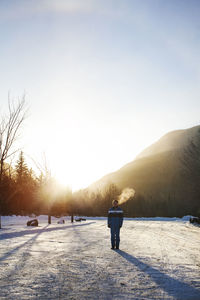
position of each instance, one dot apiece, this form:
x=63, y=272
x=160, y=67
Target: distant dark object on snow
x=61, y=221
x=80, y=219
x=195, y=220
x=32, y=222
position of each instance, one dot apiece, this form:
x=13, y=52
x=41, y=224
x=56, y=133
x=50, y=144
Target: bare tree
x=45, y=182
x=9, y=133
x=48, y=179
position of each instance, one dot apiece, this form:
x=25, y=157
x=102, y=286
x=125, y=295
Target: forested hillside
x=166, y=182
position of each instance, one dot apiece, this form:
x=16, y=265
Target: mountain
x=174, y=140
x=158, y=173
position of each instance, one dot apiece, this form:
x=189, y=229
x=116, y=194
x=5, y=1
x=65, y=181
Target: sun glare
x=72, y=178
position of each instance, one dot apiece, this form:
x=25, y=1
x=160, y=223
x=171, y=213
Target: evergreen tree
x=25, y=187
x=21, y=169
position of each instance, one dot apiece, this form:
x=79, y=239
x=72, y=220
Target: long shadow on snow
x=29, y=242
x=20, y=264
x=173, y=287
x=11, y=235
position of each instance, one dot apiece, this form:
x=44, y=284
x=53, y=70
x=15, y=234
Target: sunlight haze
x=102, y=79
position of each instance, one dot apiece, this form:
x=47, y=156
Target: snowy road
x=157, y=260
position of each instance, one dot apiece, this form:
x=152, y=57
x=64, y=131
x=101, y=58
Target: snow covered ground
x=158, y=259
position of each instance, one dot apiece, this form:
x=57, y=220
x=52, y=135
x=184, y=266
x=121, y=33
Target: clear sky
x=103, y=78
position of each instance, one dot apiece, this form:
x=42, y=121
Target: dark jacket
x=115, y=217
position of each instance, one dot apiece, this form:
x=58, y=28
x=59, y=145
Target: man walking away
x=115, y=221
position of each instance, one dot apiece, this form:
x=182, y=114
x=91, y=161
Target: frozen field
x=158, y=259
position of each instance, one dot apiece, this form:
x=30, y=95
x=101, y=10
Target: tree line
x=24, y=193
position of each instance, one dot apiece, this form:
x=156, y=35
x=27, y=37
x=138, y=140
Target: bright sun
x=74, y=181
x=75, y=176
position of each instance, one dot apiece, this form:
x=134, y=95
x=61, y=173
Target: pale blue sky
x=103, y=79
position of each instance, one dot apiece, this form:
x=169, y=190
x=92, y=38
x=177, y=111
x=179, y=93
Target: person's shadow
x=172, y=286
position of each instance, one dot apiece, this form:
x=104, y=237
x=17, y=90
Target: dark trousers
x=115, y=239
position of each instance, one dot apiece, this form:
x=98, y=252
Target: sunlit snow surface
x=159, y=259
